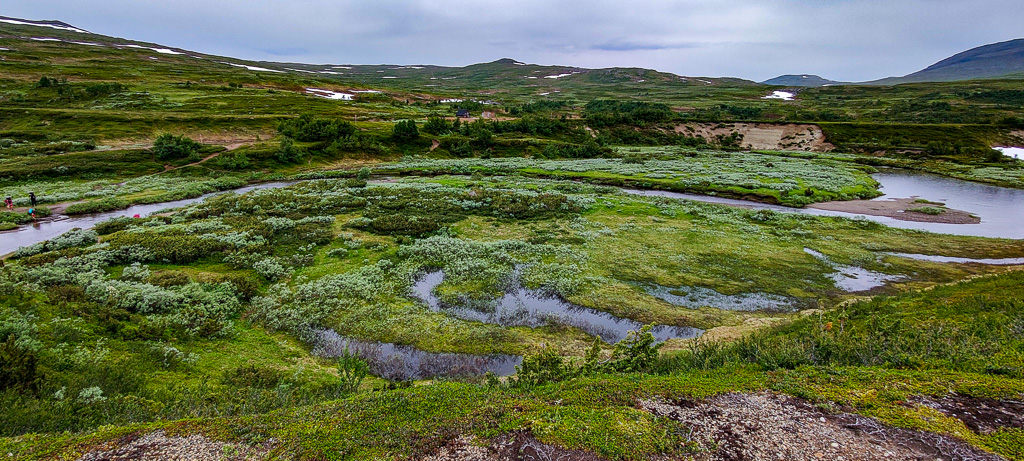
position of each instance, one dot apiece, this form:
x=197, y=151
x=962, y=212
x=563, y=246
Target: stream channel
x=1001, y=211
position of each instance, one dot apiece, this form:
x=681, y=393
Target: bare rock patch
x=158, y=446
x=766, y=426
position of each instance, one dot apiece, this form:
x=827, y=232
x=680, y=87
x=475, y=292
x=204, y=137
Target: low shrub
x=930, y=210
x=168, y=146
x=72, y=238
x=97, y=206
x=115, y=224
x=168, y=278
x=405, y=131
x=178, y=249
x=543, y=368
x=352, y=370
x=253, y=376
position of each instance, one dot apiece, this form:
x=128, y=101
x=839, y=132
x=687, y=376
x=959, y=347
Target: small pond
x=402, y=363
x=852, y=278
x=525, y=307
x=698, y=297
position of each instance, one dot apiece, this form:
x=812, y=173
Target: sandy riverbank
x=899, y=208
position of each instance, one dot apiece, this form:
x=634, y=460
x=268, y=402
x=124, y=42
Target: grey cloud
x=286, y=51
x=633, y=46
x=755, y=39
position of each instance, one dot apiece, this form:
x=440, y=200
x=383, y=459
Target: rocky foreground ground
x=760, y=426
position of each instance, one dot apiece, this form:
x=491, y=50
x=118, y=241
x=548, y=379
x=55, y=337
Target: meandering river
x=48, y=228
x=1001, y=209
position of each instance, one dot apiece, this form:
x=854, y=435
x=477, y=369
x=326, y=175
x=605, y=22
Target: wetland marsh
x=457, y=258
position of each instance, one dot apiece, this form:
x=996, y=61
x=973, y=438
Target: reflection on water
x=853, y=278
x=46, y=229
x=531, y=308
x=403, y=363
x=950, y=259
x=1001, y=209
x=698, y=297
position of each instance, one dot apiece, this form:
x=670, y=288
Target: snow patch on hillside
x=783, y=95
x=158, y=50
x=330, y=94
x=255, y=68
x=52, y=26
x=51, y=39
x=1015, y=152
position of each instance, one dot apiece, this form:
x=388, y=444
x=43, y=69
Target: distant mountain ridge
x=481, y=76
x=1003, y=59
x=986, y=61
x=58, y=25
x=808, y=80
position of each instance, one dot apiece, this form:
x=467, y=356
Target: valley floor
x=616, y=264
x=931, y=368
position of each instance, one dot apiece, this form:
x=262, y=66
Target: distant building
x=462, y=113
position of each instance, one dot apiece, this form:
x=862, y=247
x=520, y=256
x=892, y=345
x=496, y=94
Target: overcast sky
x=852, y=40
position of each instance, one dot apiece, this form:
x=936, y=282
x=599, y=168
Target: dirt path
x=55, y=208
x=59, y=208
x=434, y=144
x=228, y=148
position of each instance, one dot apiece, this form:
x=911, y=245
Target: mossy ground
x=599, y=413
x=614, y=242
x=951, y=337
x=596, y=414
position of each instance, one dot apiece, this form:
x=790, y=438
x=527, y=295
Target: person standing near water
x=9, y=203
x=32, y=198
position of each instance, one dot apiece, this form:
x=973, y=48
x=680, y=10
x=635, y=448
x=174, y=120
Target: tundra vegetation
x=212, y=311
x=263, y=317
